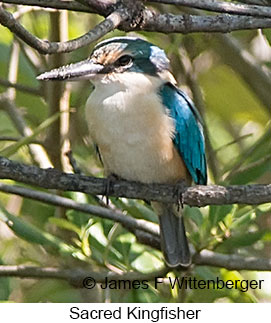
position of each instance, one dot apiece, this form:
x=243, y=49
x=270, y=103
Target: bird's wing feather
x=188, y=136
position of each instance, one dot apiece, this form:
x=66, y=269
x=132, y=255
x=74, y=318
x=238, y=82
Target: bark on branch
x=221, y=6
x=102, y=9
x=21, y=87
x=78, y=276
x=131, y=224
x=130, y=17
x=145, y=232
x=193, y=196
x=46, y=47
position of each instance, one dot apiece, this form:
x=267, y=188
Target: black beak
x=82, y=70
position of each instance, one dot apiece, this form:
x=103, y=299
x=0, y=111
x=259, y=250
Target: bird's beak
x=86, y=69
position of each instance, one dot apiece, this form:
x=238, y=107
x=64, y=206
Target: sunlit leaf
x=12, y=149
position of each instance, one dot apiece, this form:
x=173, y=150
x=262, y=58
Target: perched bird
x=146, y=129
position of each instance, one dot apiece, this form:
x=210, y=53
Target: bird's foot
x=73, y=163
x=108, y=186
x=178, y=193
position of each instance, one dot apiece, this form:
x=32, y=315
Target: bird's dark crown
x=132, y=54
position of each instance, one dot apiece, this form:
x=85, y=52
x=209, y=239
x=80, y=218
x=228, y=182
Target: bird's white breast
x=133, y=132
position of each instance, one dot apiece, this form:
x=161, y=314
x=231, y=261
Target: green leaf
x=136, y=209
x=195, y=215
x=5, y=288
x=267, y=34
x=79, y=219
x=32, y=234
x=252, y=154
x=64, y=224
x=236, y=101
x=12, y=149
x=147, y=262
x=242, y=240
x=252, y=171
x=245, y=219
x=218, y=213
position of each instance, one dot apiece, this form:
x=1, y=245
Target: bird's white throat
x=132, y=129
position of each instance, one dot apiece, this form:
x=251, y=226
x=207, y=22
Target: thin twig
x=255, y=8
x=24, y=10
x=35, y=61
x=241, y=160
x=150, y=21
x=145, y=231
x=10, y=138
x=221, y=6
x=257, y=2
x=99, y=6
x=232, y=262
x=46, y=47
x=38, y=153
x=128, y=222
x=13, y=66
x=55, y=92
x=78, y=276
x=191, y=77
x=250, y=167
x=54, y=4
x=237, y=57
x=21, y=87
x=223, y=23
x=76, y=169
x=199, y=195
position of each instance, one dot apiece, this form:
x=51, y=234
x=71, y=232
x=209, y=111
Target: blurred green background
x=228, y=77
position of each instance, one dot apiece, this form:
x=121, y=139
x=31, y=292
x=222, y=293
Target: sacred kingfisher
x=146, y=129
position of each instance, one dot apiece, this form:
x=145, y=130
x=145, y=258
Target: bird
x=145, y=128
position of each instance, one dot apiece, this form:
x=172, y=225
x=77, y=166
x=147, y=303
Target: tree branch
x=144, y=19
x=145, y=232
x=224, y=23
x=77, y=276
x=46, y=47
x=231, y=262
x=102, y=8
x=38, y=153
x=130, y=223
x=11, y=138
x=100, y=5
x=237, y=57
x=257, y=2
x=54, y=4
x=220, y=6
x=21, y=87
x=193, y=196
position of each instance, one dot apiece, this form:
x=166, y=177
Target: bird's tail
x=174, y=243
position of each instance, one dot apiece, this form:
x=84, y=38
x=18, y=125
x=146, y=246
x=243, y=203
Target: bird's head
x=118, y=59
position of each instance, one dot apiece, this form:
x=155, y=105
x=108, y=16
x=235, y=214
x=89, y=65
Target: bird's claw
x=73, y=163
x=108, y=186
x=178, y=192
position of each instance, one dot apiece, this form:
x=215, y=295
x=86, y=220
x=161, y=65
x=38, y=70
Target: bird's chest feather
x=134, y=135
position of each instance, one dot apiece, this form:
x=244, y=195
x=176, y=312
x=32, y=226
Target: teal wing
x=188, y=137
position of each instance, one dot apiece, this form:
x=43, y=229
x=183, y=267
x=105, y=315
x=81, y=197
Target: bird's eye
x=124, y=60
